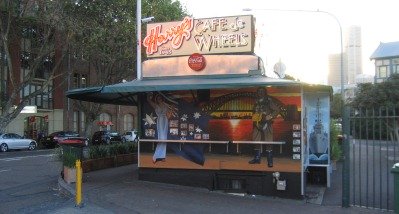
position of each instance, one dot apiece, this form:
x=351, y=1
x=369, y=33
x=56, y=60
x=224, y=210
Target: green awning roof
x=125, y=93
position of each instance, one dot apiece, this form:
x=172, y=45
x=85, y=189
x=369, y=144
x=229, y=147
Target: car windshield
x=71, y=134
x=113, y=133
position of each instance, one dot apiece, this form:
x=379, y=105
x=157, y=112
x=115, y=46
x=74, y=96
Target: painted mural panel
x=318, y=129
x=222, y=129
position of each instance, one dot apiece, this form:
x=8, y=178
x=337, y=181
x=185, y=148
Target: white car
x=130, y=136
x=15, y=141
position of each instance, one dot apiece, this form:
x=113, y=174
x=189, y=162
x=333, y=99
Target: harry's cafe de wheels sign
x=234, y=34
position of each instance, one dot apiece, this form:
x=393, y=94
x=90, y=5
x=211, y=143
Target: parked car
x=64, y=137
x=130, y=136
x=15, y=141
x=105, y=137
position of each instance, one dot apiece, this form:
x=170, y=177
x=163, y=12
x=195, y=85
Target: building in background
x=386, y=60
x=352, y=65
x=54, y=111
x=353, y=54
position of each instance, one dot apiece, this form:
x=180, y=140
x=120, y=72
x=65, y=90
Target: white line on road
x=24, y=157
x=5, y=170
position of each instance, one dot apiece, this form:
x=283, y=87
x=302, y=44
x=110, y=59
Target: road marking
x=24, y=157
x=5, y=170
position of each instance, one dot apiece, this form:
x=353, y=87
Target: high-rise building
x=334, y=67
x=352, y=60
x=353, y=53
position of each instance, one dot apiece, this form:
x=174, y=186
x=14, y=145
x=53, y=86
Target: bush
x=69, y=159
x=336, y=151
x=112, y=150
x=100, y=151
x=117, y=149
x=131, y=147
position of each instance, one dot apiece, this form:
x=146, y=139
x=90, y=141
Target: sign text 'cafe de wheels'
x=209, y=117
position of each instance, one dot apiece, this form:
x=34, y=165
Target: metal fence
x=374, y=148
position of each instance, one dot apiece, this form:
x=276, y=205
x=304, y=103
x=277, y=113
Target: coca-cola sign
x=196, y=62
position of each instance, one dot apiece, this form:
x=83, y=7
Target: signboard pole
x=138, y=39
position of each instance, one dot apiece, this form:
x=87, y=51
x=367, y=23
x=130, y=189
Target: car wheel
x=123, y=140
x=3, y=147
x=32, y=146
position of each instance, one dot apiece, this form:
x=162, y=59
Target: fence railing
x=374, y=148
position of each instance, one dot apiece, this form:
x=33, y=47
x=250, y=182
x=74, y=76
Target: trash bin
x=395, y=172
x=77, y=150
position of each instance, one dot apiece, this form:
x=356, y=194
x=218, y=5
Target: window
x=80, y=80
x=79, y=121
x=382, y=71
x=75, y=120
x=43, y=100
x=76, y=77
x=82, y=120
x=395, y=66
x=128, y=122
x=83, y=81
x=105, y=117
x=395, y=69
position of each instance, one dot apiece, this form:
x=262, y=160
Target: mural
x=318, y=120
x=221, y=116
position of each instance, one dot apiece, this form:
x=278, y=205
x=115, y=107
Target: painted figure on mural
x=164, y=111
x=265, y=110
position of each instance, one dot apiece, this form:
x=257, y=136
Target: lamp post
x=340, y=35
x=140, y=20
x=345, y=176
x=138, y=40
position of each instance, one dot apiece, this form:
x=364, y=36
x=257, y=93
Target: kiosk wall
x=208, y=138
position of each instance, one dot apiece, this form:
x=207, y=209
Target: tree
x=376, y=95
x=103, y=32
x=336, y=110
x=380, y=99
x=37, y=23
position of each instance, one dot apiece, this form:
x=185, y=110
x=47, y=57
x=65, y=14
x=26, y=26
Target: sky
x=303, y=40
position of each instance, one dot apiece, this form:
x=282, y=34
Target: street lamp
x=140, y=20
x=340, y=34
x=345, y=177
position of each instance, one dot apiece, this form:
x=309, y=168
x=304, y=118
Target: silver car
x=130, y=136
x=15, y=141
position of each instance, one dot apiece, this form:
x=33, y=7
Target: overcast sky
x=303, y=40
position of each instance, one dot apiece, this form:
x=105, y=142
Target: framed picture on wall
x=174, y=123
x=183, y=125
x=197, y=136
x=296, y=127
x=190, y=127
x=296, y=134
x=296, y=142
x=174, y=131
x=149, y=132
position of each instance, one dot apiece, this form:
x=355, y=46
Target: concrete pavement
x=117, y=190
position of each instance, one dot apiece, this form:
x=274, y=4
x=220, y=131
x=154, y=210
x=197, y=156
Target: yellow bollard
x=78, y=183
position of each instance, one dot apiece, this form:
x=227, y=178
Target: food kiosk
x=210, y=117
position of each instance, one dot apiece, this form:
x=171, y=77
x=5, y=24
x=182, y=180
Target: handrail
x=183, y=141
x=259, y=142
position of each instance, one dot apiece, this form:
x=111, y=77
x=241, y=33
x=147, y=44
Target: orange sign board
x=234, y=34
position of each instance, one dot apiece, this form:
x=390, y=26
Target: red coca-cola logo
x=196, y=62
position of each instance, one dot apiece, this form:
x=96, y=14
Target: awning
x=105, y=123
x=126, y=93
